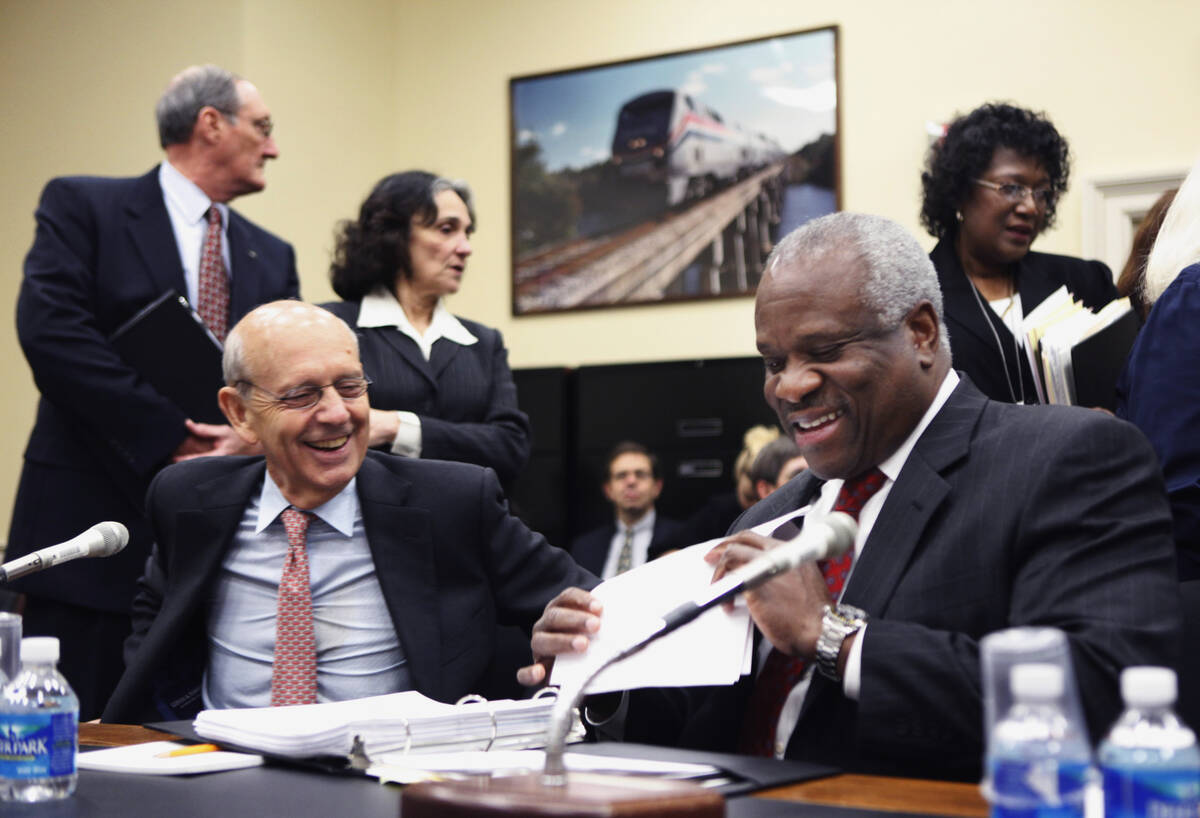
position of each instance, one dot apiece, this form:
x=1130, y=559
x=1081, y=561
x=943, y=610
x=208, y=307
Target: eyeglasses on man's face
x=306, y=397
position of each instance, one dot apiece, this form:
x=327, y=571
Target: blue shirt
x=358, y=652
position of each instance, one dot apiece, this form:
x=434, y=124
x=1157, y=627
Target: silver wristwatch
x=838, y=622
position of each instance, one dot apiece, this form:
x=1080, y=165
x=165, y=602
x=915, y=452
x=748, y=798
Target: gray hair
x=899, y=273
x=193, y=88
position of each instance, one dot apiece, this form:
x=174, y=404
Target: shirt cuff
x=407, y=442
x=852, y=678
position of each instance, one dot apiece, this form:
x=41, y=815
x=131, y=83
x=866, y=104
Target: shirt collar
x=647, y=522
x=379, y=308
x=339, y=511
x=185, y=197
x=892, y=465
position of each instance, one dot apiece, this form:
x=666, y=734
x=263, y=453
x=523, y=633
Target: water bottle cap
x=1036, y=682
x=39, y=649
x=1148, y=686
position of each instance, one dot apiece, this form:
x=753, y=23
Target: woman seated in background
x=441, y=387
x=1159, y=390
x=991, y=186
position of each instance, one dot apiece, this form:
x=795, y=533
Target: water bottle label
x=1151, y=793
x=37, y=745
x=1043, y=787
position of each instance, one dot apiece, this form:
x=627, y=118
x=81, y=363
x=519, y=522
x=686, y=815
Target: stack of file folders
x=395, y=723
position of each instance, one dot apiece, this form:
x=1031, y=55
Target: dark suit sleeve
x=500, y=438
x=1079, y=523
x=526, y=572
x=74, y=366
x=1163, y=398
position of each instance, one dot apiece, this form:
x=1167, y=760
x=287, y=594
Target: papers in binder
x=1076, y=355
x=405, y=722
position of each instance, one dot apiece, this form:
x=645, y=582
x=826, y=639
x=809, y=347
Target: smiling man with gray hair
x=974, y=516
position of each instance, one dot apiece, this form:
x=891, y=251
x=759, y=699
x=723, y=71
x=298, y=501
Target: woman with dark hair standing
x=991, y=186
x=441, y=387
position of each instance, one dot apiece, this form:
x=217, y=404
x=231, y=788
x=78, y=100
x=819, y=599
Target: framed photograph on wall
x=669, y=178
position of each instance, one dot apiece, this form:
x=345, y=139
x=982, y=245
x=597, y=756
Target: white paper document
x=715, y=649
x=405, y=769
x=151, y=759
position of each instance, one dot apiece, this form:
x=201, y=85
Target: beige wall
x=362, y=87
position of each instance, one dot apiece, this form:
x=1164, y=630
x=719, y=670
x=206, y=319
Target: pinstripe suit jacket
x=1002, y=516
x=464, y=395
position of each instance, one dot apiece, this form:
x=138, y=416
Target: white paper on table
x=406, y=768
x=714, y=649
x=146, y=759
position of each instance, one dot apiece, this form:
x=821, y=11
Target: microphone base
x=585, y=795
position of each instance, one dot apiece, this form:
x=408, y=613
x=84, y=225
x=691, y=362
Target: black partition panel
x=691, y=413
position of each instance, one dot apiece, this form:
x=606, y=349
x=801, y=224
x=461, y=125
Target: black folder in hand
x=171, y=348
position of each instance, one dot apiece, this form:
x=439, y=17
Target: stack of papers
x=398, y=722
x=1055, y=332
x=154, y=758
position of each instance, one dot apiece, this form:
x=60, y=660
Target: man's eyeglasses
x=264, y=126
x=1042, y=196
x=306, y=397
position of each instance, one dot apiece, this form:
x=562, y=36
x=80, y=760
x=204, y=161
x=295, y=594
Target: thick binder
x=1099, y=359
x=171, y=348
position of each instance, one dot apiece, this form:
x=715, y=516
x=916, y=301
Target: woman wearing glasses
x=991, y=186
x=441, y=387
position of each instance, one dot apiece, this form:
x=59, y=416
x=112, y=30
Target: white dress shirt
x=379, y=308
x=186, y=206
x=823, y=505
x=358, y=652
x=643, y=533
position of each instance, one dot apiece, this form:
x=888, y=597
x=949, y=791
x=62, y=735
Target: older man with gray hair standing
x=104, y=249
x=974, y=516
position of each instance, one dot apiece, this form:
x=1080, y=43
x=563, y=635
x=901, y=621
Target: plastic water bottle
x=1150, y=762
x=39, y=717
x=1040, y=762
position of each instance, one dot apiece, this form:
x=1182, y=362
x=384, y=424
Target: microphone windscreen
x=115, y=536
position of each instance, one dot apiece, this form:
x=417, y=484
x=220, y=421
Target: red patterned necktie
x=294, y=671
x=781, y=672
x=213, y=288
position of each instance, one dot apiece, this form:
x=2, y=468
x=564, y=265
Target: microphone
x=827, y=539
x=101, y=540
x=818, y=540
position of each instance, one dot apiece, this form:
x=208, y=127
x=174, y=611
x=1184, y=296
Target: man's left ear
x=925, y=332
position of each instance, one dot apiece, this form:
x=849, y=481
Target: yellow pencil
x=190, y=750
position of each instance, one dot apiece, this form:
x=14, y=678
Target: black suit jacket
x=103, y=250
x=451, y=561
x=464, y=395
x=590, y=549
x=1002, y=516
x=972, y=344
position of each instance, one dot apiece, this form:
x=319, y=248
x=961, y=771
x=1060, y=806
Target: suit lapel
x=246, y=274
x=205, y=531
x=401, y=542
x=916, y=495
x=150, y=229
x=408, y=350
x=444, y=351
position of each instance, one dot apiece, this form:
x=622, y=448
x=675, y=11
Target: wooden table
x=858, y=791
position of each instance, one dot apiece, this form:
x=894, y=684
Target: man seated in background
x=638, y=532
x=778, y=462
x=325, y=572
x=974, y=516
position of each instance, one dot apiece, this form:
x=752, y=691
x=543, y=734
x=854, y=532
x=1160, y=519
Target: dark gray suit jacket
x=1002, y=516
x=104, y=249
x=452, y=563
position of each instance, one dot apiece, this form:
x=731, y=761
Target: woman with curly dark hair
x=441, y=387
x=991, y=186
